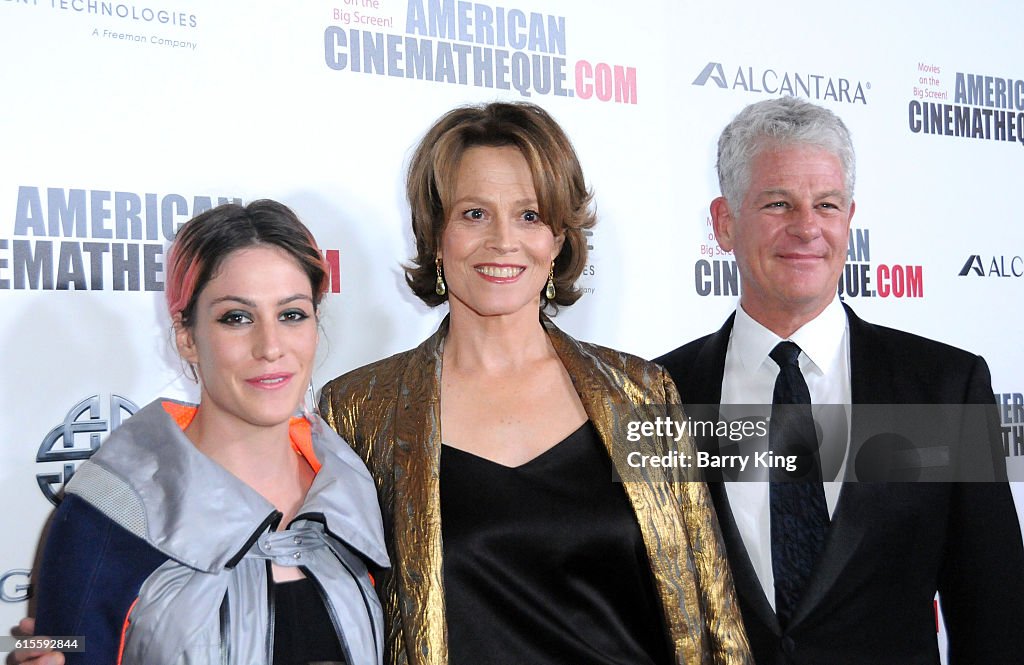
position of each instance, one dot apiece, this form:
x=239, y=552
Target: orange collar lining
x=299, y=430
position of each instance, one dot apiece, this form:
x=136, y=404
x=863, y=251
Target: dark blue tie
x=799, y=516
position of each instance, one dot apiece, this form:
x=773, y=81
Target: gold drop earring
x=549, y=291
x=439, y=286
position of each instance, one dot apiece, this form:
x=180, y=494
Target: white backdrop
x=121, y=119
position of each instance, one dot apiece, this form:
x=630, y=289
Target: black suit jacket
x=891, y=546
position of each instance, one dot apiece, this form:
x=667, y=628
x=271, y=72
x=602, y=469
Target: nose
x=266, y=341
x=804, y=224
x=502, y=235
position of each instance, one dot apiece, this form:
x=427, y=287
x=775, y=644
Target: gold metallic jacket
x=389, y=412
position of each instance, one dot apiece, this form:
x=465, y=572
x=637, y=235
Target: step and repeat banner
x=123, y=119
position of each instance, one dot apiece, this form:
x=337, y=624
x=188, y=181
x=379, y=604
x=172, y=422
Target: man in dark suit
x=869, y=556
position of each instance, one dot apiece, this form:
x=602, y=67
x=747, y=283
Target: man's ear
x=722, y=221
x=185, y=341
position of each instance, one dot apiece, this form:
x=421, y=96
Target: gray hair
x=780, y=121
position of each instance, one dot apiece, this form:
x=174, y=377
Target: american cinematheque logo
x=715, y=273
x=469, y=44
x=966, y=105
x=865, y=279
x=77, y=239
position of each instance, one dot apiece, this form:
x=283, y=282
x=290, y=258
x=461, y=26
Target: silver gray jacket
x=209, y=602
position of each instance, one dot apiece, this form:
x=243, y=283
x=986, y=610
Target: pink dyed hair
x=203, y=243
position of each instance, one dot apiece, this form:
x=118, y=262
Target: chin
x=801, y=288
x=803, y=300
x=275, y=413
x=502, y=306
x=271, y=420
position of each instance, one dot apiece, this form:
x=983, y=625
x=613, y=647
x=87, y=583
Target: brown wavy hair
x=562, y=194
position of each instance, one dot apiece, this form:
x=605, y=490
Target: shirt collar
x=820, y=339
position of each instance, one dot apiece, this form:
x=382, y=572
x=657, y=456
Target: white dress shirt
x=749, y=379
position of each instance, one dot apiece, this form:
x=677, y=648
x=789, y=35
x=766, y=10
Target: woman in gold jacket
x=512, y=430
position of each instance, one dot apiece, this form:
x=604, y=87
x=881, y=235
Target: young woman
x=235, y=530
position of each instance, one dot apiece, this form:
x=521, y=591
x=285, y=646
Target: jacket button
x=297, y=555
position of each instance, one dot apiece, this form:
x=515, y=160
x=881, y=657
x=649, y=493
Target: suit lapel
x=709, y=367
x=417, y=518
x=871, y=381
x=871, y=372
